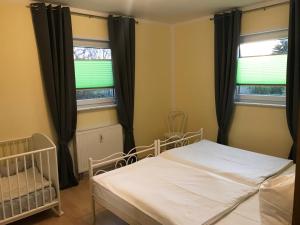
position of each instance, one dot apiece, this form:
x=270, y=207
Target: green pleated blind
x=262, y=70
x=93, y=73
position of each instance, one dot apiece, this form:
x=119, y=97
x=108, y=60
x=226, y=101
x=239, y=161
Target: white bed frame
x=41, y=152
x=118, y=160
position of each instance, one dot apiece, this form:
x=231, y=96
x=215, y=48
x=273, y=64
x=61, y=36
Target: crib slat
x=49, y=176
x=34, y=180
x=9, y=187
x=18, y=181
x=8, y=149
x=14, y=145
x=11, y=147
x=27, y=185
x=42, y=177
x=2, y=198
x=2, y=148
x=27, y=145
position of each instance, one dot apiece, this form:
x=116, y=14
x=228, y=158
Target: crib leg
x=57, y=210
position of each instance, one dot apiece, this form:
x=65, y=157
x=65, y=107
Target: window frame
x=261, y=100
x=265, y=100
x=95, y=103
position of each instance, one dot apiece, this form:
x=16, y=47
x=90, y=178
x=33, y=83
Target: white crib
x=28, y=178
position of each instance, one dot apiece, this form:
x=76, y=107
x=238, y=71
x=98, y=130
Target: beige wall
x=22, y=99
x=22, y=102
x=153, y=86
x=261, y=129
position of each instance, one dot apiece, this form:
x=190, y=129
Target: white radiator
x=97, y=143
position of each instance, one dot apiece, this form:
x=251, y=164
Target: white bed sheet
x=242, y=166
x=248, y=212
x=173, y=193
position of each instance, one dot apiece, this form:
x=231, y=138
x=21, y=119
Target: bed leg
x=93, y=210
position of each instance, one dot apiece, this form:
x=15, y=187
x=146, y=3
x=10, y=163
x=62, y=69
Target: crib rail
x=28, y=177
x=13, y=147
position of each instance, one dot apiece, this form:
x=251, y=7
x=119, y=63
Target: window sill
x=81, y=108
x=260, y=104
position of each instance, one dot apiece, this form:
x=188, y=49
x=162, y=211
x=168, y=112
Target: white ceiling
x=170, y=11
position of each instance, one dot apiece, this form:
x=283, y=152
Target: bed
x=161, y=190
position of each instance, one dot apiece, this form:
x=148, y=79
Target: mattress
x=10, y=190
x=242, y=166
x=171, y=193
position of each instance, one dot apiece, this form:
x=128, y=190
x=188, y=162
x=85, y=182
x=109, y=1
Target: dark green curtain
x=227, y=34
x=53, y=33
x=122, y=43
x=296, y=209
x=293, y=97
x=293, y=74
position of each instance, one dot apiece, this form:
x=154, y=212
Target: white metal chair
x=176, y=125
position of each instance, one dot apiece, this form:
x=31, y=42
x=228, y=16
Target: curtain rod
x=87, y=15
x=262, y=8
x=95, y=16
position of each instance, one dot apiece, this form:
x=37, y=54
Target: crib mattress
x=24, y=202
x=28, y=181
x=24, y=185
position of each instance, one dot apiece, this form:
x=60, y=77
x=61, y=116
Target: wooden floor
x=77, y=210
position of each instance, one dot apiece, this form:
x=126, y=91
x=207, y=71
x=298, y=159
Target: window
x=261, y=70
x=93, y=74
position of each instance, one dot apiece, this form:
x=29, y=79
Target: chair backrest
x=176, y=121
